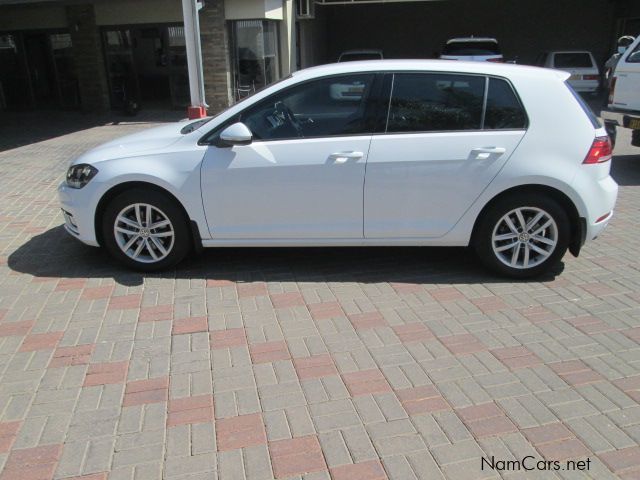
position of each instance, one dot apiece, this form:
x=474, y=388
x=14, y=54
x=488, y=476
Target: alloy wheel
x=524, y=237
x=144, y=233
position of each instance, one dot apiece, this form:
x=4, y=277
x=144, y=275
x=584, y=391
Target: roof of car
x=483, y=68
x=471, y=39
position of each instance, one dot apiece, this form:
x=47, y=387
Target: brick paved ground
x=314, y=364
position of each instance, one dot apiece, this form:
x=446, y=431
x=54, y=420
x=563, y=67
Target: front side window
x=435, y=102
x=503, y=110
x=331, y=106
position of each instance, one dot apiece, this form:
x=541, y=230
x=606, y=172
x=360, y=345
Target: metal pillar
x=190, y=8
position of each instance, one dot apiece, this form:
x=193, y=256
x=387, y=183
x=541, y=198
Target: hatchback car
x=475, y=49
x=501, y=157
x=581, y=66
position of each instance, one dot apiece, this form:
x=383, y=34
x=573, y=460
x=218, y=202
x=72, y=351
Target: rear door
x=439, y=150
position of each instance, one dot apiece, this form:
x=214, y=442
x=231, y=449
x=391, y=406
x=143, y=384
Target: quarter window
x=331, y=106
x=503, y=111
x=435, y=102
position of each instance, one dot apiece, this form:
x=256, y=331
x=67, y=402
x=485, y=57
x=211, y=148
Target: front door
x=303, y=175
x=441, y=149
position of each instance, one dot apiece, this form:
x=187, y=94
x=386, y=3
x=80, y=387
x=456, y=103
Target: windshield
x=471, y=48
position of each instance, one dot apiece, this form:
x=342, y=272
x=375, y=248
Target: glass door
x=15, y=91
x=256, y=62
x=121, y=71
x=64, y=67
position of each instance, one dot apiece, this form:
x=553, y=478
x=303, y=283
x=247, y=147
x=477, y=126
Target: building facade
x=96, y=55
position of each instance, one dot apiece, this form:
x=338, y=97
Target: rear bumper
x=602, y=201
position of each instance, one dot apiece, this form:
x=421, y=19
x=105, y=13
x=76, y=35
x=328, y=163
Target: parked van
x=624, y=95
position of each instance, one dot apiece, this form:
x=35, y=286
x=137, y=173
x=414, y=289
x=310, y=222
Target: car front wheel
x=523, y=236
x=145, y=230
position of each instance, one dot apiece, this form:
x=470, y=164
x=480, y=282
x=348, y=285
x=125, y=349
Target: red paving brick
x=8, y=329
x=325, y=310
x=366, y=382
x=97, y=293
x=371, y=470
x=363, y=321
x=413, y=332
x=630, y=386
x=66, y=284
x=68, y=356
x=462, y=344
x=269, y=351
x=125, y=302
x=490, y=304
x=486, y=420
x=589, y=325
x=296, y=456
x=516, y=357
x=190, y=325
x=252, y=290
x=575, y=372
x=538, y=314
x=233, y=337
x=555, y=441
x=315, y=366
x=156, y=313
x=633, y=334
x=8, y=433
x=106, y=373
x=240, y=432
x=625, y=459
x=446, y=294
x=141, y=392
x=190, y=410
x=287, y=300
x=424, y=399
x=38, y=463
x=41, y=341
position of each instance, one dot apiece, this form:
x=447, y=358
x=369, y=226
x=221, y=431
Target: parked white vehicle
x=501, y=157
x=357, y=55
x=580, y=64
x=473, y=49
x=624, y=94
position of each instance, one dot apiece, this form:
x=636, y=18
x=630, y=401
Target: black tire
x=533, y=204
x=162, y=204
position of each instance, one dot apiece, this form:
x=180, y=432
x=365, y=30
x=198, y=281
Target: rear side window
x=572, y=60
x=504, y=110
x=471, y=48
x=435, y=102
x=587, y=110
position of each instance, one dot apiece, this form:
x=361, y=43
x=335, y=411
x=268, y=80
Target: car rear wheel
x=145, y=230
x=523, y=236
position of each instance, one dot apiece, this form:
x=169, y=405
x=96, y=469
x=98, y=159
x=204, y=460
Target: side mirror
x=236, y=134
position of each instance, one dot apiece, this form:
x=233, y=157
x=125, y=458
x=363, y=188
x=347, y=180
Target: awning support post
x=198, y=107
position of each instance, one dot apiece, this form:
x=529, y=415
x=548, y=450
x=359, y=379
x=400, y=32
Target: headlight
x=79, y=175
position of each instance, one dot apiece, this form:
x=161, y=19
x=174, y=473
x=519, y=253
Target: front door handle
x=344, y=157
x=482, y=153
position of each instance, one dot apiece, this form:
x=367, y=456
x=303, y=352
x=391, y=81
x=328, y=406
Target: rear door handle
x=483, y=153
x=344, y=157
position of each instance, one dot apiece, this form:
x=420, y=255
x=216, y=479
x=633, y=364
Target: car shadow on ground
x=24, y=128
x=625, y=170
x=53, y=254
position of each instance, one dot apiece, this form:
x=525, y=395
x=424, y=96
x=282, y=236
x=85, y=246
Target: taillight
x=590, y=77
x=612, y=89
x=600, y=151
x=499, y=60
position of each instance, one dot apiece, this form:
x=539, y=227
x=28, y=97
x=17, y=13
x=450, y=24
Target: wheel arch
x=116, y=190
x=577, y=224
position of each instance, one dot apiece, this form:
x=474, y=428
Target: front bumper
x=77, y=213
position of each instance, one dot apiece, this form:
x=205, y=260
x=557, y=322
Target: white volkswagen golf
x=504, y=158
